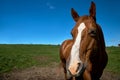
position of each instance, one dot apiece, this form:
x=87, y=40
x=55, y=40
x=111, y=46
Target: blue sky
x=50, y=21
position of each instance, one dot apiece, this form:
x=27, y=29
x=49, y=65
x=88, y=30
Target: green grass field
x=113, y=59
x=24, y=56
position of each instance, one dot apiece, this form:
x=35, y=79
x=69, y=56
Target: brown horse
x=84, y=57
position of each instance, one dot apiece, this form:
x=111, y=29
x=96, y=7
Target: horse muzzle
x=75, y=71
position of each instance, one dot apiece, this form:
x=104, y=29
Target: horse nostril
x=78, y=67
x=79, y=64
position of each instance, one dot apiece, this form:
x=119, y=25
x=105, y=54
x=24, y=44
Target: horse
x=84, y=56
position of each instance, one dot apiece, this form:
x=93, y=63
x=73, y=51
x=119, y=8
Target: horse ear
x=74, y=15
x=92, y=10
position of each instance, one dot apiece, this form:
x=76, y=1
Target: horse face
x=84, y=39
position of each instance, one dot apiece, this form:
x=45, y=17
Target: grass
x=24, y=56
x=113, y=59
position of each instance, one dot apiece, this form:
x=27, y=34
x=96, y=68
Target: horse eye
x=92, y=32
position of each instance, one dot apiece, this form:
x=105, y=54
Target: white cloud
x=50, y=6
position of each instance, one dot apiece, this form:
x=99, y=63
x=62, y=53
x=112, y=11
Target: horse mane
x=100, y=57
x=101, y=39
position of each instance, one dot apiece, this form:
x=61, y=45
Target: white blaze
x=74, y=57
